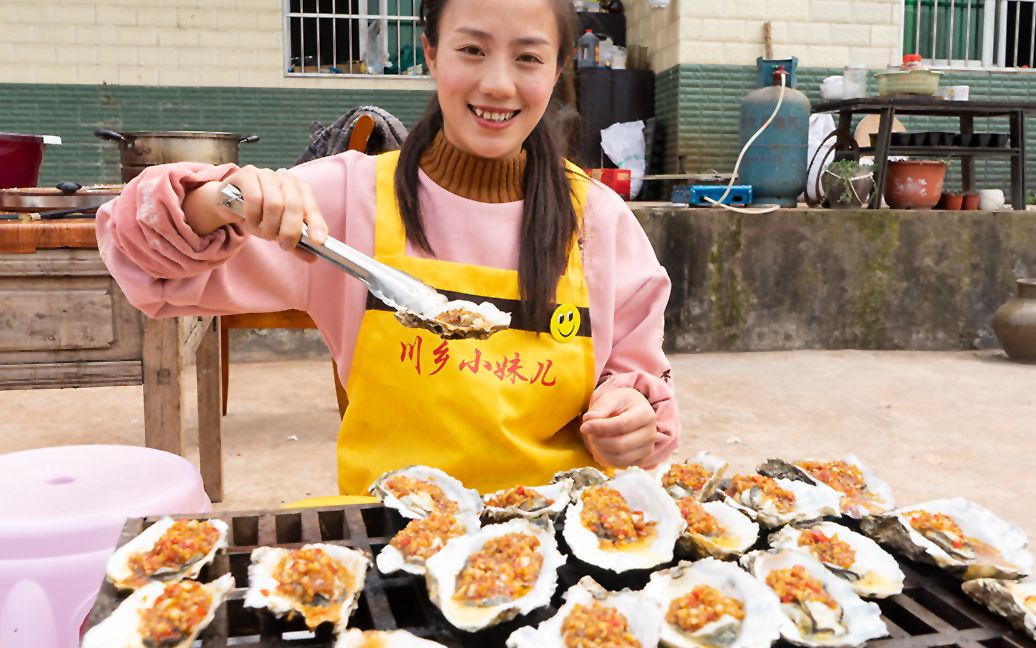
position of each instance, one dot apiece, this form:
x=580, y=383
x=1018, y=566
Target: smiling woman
x=480, y=204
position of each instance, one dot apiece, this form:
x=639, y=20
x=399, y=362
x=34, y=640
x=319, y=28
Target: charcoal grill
x=931, y=612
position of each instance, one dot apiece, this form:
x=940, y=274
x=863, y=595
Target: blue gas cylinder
x=775, y=164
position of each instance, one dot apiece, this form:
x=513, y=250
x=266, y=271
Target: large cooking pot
x=141, y=149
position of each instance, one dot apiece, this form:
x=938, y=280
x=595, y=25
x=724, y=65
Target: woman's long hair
x=549, y=223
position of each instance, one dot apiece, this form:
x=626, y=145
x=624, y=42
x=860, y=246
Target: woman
x=479, y=202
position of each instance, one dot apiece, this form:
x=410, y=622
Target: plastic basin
x=913, y=82
x=20, y=160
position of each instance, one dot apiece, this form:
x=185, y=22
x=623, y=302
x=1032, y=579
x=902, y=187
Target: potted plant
x=848, y=184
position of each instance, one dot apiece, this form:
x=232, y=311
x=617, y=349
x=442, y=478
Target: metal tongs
x=399, y=290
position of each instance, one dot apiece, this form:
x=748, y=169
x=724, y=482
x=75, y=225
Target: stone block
x=830, y=279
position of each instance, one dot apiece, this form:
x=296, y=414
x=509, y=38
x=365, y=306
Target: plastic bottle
x=588, y=50
x=912, y=62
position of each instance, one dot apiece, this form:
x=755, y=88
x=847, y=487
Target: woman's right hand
x=277, y=204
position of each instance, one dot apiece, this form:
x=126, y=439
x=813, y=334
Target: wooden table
x=64, y=322
x=966, y=111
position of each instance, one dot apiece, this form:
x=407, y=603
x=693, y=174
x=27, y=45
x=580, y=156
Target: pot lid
x=183, y=134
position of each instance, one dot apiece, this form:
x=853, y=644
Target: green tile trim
x=700, y=107
x=281, y=116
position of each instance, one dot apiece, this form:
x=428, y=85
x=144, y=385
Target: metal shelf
x=954, y=151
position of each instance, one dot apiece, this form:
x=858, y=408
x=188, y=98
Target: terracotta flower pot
x=952, y=201
x=970, y=201
x=1015, y=323
x=914, y=184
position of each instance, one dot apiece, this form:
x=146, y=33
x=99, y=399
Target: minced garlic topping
x=829, y=550
x=505, y=568
x=702, y=606
x=597, y=626
x=607, y=514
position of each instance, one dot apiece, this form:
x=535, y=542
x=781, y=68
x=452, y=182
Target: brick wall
x=828, y=33
x=157, y=42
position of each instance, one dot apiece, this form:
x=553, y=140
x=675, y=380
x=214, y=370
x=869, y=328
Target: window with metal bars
x=971, y=33
x=330, y=37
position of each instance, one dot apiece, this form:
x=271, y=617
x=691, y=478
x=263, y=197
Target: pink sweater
x=166, y=269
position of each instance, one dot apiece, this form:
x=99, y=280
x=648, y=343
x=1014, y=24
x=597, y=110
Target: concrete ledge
x=833, y=279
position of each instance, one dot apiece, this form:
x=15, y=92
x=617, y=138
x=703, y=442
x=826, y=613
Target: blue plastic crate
x=694, y=195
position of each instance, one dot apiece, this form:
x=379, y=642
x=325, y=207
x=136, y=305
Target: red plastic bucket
x=20, y=160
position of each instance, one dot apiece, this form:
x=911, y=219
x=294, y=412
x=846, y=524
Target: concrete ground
x=931, y=424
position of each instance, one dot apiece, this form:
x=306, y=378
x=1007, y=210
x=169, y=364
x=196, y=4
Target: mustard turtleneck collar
x=472, y=177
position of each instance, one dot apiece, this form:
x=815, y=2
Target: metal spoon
x=399, y=290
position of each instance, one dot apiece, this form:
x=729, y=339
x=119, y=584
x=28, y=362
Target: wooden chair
x=289, y=319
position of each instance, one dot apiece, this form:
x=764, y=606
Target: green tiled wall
x=280, y=116
x=700, y=106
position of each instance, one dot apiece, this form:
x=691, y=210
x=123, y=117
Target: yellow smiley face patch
x=564, y=322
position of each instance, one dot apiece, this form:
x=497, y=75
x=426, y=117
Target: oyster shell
x=264, y=586
x=873, y=572
x=120, y=571
x=735, y=533
x=698, y=476
x=649, y=506
x=1015, y=600
x=461, y=605
x=752, y=494
x=982, y=545
x=123, y=628
x=356, y=638
x=581, y=477
x=761, y=620
x=416, y=491
x=458, y=319
x=642, y=615
x=814, y=622
x=391, y=559
x=863, y=492
x=531, y=502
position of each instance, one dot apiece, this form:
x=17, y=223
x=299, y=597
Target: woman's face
x=495, y=67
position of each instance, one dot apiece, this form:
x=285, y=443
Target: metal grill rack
x=931, y=612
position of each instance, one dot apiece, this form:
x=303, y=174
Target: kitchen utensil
x=141, y=149
x=21, y=157
x=48, y=215
x=42, y=199
x=913, y=82
x=399, y=290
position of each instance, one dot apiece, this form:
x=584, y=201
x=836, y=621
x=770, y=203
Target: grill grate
x=931, y=611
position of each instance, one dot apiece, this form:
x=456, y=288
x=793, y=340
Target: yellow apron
x=493, y=413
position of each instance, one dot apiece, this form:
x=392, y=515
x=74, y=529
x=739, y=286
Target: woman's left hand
x=619, y=428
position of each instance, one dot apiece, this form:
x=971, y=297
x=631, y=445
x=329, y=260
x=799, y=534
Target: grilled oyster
x=1015, y=600
x=170, y=615
x=775, y=502
x=863, y=493
x=458, y=319
x=871, y=571
x=167, y=551
x=493, y=575
x=714, y=529
x=955, y=534
x=715, y=604
x=615, y=619
x=698, y=476
x=581, y=477
x=823, y=609
x=416, y=491
x=422, y=538
x=529, y=502
x=627, y=523
x=322, y=582
x=355, y=638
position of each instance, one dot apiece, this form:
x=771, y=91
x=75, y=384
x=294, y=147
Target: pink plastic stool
x=61, y=511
